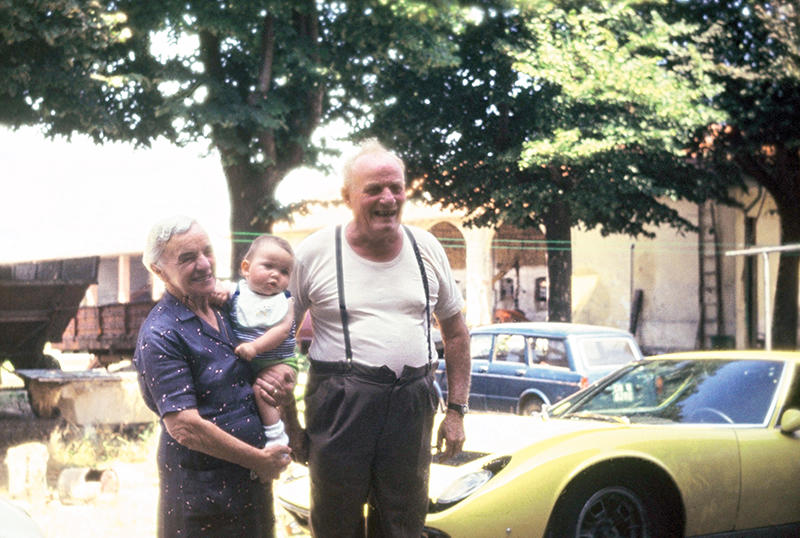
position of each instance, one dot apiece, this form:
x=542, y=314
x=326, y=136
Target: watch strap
x=461, y=409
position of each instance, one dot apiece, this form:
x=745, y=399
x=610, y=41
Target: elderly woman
x=210, y=447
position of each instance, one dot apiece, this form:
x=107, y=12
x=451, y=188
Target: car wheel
x=617, y=508
x=612, y=511
x=531, y=406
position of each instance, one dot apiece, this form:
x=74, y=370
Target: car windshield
x=686, y=392
x=606, y=353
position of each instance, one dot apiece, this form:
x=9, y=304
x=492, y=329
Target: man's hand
x=457, y=363
x=298, y=442
x=451, y=435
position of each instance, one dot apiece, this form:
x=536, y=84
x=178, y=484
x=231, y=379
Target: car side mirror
x=790, y=421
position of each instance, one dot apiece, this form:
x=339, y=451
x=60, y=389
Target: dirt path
x=129, y=513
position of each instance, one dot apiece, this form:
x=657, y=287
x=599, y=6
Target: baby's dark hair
x=268, y=238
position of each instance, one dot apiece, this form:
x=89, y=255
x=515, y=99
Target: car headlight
x=464, y=486
x=467, y=484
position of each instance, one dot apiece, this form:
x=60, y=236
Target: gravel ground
x=130, y=512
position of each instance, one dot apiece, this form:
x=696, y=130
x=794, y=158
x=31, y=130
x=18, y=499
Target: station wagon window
x=605, y=352
x=548, y=351
x=480, y=347
x=509, y=348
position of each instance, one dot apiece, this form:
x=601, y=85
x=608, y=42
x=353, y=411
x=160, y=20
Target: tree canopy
x=49, y=52
x=253, y=78
x=555, y=116
x=756, y=47
x=538, y=113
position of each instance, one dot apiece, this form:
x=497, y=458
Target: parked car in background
x=519, y=367
x=699, y=443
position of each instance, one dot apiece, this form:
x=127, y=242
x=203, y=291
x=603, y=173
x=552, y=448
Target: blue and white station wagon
x=518, y=367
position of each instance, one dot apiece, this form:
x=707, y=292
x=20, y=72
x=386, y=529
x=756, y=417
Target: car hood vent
x=462, y=458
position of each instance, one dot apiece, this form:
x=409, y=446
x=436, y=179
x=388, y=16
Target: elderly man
x=372, y=287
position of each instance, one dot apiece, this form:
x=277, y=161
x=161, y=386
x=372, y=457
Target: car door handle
x=483, y=369
x=520, y=372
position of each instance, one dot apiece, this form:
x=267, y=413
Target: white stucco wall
x=606, y=270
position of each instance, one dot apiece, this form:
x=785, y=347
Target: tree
x=247, y=76
x=554, y=118
x=48, y=52
x=757, y=50
x=253, y=78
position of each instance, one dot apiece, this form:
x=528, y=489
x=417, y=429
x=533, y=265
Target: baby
x=262, y=312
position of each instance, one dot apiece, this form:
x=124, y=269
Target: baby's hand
x=246, y=351
x=221, y=293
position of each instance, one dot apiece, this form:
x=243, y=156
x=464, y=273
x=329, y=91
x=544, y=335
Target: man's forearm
x=458, y=375
x=457, y=359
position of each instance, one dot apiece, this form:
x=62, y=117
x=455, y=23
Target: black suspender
x=348, y=351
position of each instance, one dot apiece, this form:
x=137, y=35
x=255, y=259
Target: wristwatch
x=461, y=409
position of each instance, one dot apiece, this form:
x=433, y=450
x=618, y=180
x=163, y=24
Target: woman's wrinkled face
x=187, y=264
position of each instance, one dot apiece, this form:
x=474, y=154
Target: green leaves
x=621, y=82
x=48, y=54
x=589, y=105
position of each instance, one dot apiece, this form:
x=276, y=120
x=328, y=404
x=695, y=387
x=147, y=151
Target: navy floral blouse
x=184, y=363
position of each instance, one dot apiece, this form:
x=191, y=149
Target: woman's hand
x=275, y=460
x=276, y=385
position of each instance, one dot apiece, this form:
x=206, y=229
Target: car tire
x=609, y=506
x=530, y=406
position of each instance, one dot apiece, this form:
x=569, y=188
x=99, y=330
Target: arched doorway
x=520, y=274
x=455, y=246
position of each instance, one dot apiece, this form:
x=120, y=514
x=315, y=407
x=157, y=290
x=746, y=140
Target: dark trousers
x=369, y=442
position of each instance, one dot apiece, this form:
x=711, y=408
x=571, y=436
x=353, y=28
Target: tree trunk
x=249, y=190
x=784, y=317
x=558, y=234
x=256, y=159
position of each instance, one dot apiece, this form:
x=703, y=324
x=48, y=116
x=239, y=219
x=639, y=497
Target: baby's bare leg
x=268, y=413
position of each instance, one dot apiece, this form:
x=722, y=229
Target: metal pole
x=765, y=251
x=630, y=292
x=767, y=305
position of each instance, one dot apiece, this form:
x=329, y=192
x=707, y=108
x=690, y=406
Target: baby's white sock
x=276, y=434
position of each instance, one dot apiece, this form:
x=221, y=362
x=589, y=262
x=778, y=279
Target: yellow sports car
x=675, y=445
